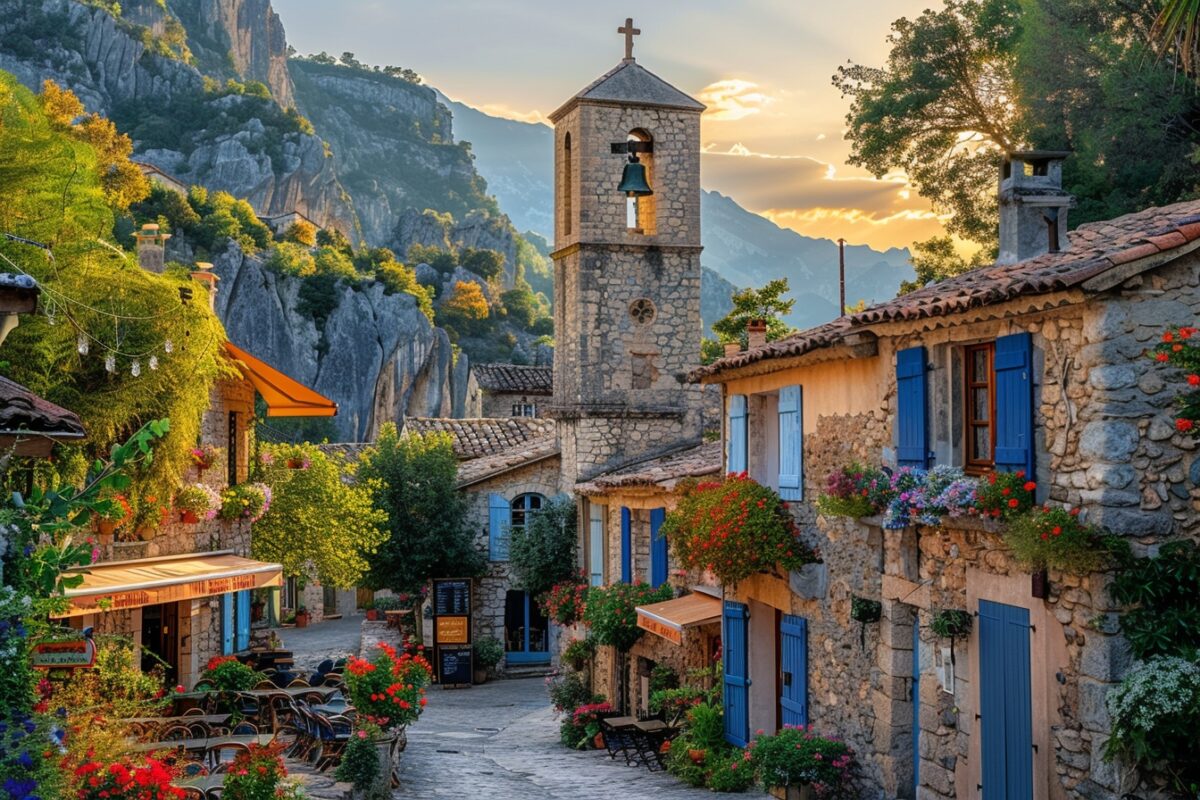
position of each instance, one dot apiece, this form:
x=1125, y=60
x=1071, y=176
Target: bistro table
x=201, y=745
x=295, y=691
x=187, y=719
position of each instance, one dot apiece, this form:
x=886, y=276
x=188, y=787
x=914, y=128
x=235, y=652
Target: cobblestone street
x=501, y=740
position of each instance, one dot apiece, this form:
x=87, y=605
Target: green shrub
x=1155, y=715
x=797, y=757
x=542, y=552
x=360, y=761
x=1054, y=537
x=488, y=652
x=292, y=259
x=569, y=691
x=730, y=772
x=1162, y=598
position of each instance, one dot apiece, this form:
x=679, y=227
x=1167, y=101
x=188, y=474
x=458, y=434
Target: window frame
x=525, y=499
x=971, y=422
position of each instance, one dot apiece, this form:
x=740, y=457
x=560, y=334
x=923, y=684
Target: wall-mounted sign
x=453, y=630
x=66, y=654
x=659, y=628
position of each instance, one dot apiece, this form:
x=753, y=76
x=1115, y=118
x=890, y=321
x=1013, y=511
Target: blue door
x=916, y=706
x=526, y=630
x=1005, y=702
x=793, y=663
x=227, y=630
x=243, y=620
x=735, y=645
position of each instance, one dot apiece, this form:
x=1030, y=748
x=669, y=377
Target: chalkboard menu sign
x=452, y=597
x=454, y=666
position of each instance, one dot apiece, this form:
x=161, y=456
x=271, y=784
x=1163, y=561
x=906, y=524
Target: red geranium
x=124, y=780
x=388, y=690
x=1004, y=494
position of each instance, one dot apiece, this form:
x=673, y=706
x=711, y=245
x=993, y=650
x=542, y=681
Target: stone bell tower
x=626, y=269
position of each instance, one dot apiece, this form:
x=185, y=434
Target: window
x=639, y=211
x=979, y=400
x=524, y=409
x=595, y=544
x=291, y=593
x=522, y=507
x=567, y=177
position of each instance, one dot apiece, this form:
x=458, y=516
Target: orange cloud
x=732, y=99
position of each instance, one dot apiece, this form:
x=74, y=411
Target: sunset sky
x=773, y=133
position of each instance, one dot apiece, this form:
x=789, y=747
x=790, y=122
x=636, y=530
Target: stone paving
x=501, y=740
x=332, y=639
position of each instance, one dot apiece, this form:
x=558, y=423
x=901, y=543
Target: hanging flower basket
x=205, y=456
x=951, y=623
x=863, y=610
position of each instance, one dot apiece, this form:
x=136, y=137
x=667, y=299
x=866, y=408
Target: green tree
x=936, y=259
x=486, y=263
x=301, y=232
x=542, y=553
x=319, y=521
x=766, y=304
x=414, y=480
x=942, y=109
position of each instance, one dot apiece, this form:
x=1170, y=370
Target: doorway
x=159, y=640
x=1005, y=702
x=526, y=630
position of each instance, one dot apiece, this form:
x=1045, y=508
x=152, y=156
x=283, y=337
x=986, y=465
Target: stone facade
x=543, y=478
x=1104, y=442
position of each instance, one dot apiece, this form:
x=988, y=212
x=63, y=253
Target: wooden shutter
x=791, y=443
x=1006, y=704
x=912, y=436
x=498, y=525
x=243, y=620
x=793, y=699
x=658, y=548
x=626, y=546
x=736, y=679
x=1014, y=403
x=736, y=457
x=227, y=632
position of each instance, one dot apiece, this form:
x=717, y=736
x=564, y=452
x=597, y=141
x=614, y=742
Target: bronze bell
x=633, y=180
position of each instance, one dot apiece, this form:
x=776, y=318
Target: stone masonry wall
x=541, y=478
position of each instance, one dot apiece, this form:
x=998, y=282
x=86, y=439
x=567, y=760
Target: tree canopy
x=319, y=523
x=542, y=552
x=413, y=480
x=767, y=304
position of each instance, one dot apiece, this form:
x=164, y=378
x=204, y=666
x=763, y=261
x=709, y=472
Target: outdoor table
x=295, y=691
x=618, y=737
x=332, y=709
x=196, y=745
x=239, y=738
x=207, y=719
x=393, y=616
x=649, y=735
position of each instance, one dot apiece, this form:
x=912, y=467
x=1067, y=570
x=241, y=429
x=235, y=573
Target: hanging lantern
x=168, y=346
x=633, y=179
x=153, y=362
x=136, y=368
x=110, y=363
x=81, y=344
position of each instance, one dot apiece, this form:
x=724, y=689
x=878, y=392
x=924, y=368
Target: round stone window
x=642, y=311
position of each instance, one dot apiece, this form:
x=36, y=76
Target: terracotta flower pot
x=106, y=527
x=145, y=532
x=598, y=741
x=302, y=620
x=696, y=755
x=372, y=615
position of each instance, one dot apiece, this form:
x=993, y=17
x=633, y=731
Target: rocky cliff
x=377, y=355
x=221, y=136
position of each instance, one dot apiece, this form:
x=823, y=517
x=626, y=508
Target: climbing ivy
x=1162, y=596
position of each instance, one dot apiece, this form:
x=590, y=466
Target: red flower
x=1029, y=486
x=1014, y=503
x=1057, y=530
x=1044, y=536
x=1184, y=425
x=1187, y=333
x=1168, y=337
x=1193, y=380
x=1162, y=358
x=1074, y=512
x=1175, y=348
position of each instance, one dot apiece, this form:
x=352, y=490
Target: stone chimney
x=756, y=333
x=151, y=248
x=1033, y=205
x=732, y=349
x=203, y=274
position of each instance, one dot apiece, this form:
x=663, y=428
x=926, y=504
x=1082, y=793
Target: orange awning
x=149, y=581
x=284, y=396
x=669, y=618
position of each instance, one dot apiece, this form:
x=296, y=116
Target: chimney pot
x=1033, y=205
x=151, y=248
x=732, y=349
x=756, y=333
x=208, y=279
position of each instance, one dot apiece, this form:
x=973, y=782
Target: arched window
x=568, y=169
x=522, y=506
x=639, y=211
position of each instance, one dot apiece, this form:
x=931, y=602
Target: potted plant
x=369, y=607
x=864, y=611
x=205, y=456
x=387, y=691
x=488, y=652
x=247, y=501
x=302, y=617
x=950, y=623
x=196, y=502
x=109, y=514
x=794, y=760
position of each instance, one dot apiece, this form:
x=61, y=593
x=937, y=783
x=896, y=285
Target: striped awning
x=284, y=396
x=149, y=581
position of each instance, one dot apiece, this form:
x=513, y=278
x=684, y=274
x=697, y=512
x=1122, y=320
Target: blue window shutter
x=991, y=699
x=498, y=523
x=794, y=664
x=226, y=624
x=1014, y=403
x=626, y=546
x=658, y=548
x=912, y=436
x=736, y=458
x=736, y=678
x=791, y=443
x=243, y=620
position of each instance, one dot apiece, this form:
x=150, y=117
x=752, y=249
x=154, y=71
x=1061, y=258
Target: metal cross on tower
x=629, y=32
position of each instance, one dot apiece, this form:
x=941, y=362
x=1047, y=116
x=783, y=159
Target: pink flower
x=362, y=734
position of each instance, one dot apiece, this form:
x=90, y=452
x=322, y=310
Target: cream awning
x=284, y=396
x=669, y=618
x=149, y=581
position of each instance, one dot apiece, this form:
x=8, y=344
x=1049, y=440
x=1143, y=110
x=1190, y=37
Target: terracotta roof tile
x=514, y=378
x=474, y=438
x=22, y=411
x=664, y=471
x=797, y=344
x=478, y=469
